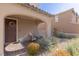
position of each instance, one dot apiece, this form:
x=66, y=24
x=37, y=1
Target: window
x=56, y=18
x=73, y=19
x=77, y=21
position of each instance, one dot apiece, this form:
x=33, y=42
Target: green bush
x=55, y=32
x=73, y=47
x=63, y=35
x=74, y=51
x=43, y=43
x=46, y=43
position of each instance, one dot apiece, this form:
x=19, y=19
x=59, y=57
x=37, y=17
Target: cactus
x=33, y=48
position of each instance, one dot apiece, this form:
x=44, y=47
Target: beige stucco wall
x=42, y=29
x=17, y=9
x=26, y=26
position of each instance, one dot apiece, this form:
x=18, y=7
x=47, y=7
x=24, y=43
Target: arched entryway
x=18, y=26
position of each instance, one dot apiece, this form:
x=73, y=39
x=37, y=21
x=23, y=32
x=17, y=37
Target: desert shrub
x=54, y=40
x=38, y=40
x=50, y=42
x=72, y=46
x=74, y=50
x=60, y=52
x=47, y=43
x=63, y=35
x=66, y=48
x=44, y=43
x=55, y=32
x=33, y=48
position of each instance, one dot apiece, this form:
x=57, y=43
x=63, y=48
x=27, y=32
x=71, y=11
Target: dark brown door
x=10, y=30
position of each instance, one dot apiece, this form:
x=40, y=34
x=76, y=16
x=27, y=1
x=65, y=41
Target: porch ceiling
x=23, y=17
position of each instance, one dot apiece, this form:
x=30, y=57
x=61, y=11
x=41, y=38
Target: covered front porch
x=19, y=26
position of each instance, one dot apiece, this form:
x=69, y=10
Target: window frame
x=56, y=18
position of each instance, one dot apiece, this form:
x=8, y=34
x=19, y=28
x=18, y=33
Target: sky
x=55, y=8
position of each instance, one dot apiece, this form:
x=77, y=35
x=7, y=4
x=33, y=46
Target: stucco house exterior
x=67, y=22
x=17, y=20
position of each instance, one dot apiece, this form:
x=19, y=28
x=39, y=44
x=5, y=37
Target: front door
x=10, y=30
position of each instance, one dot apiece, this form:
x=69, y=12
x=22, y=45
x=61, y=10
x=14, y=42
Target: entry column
x=49, y=29
x=2, y=36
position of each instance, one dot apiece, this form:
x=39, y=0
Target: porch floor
x=13, y=49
